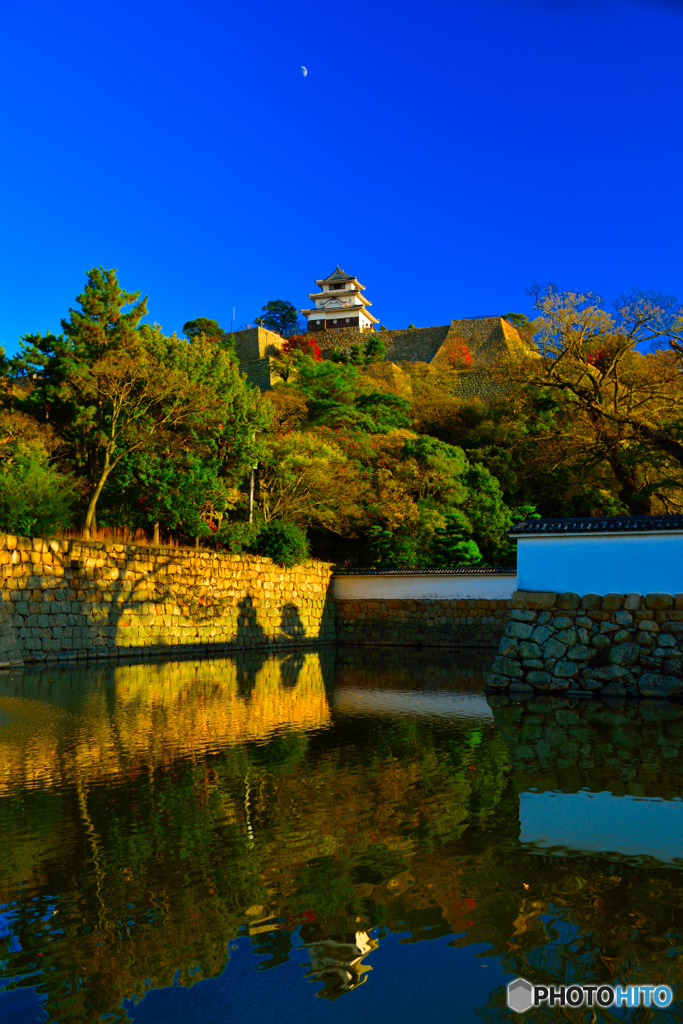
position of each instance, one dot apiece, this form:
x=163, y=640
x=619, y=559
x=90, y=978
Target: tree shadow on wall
x=290, y=622
x=249, y=630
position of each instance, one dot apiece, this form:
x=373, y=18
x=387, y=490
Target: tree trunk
x=629, y=489
x=156, y=535
x=90, y=518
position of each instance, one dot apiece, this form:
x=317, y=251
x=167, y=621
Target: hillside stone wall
x=66, y=599
x=422, y=623
x=616, y=644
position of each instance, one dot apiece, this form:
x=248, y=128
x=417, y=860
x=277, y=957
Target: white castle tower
x=339, y=303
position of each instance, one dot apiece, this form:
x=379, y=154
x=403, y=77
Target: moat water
x=329, y=836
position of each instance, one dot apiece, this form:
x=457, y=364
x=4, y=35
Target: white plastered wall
x=643, y=563
x=493, y=587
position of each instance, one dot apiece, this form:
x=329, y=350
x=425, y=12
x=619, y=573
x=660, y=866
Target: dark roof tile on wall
x=597, y=524
x=464, y=570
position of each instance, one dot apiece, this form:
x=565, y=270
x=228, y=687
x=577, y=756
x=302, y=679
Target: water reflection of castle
x=337, y=960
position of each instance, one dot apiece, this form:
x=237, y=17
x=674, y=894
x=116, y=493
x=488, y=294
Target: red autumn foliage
x=600, y=358
x=457, y=354
x=302, y=343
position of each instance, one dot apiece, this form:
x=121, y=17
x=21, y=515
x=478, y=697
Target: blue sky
x=447, y=153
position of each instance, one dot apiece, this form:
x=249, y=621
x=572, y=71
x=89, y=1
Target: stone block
x=591, y=602
x=648, y=627
x=507, y=667
x=621, y=637
x=518, y=630
x=566, y=669
x=568, y=602
x=554, y=649
x=539, y=679
x=541, y=634
x=568, y=637
x=632, y=602
x=624, y=655
x=658, y=602
x=523, y=615
x=612, y=602
x=606, y=672
x=534, y=599
x=580, y=653
x=558, y=684
x=500, y=682
x=666, y=640
x=528, y=649
x=518, y=687
x=654, y=684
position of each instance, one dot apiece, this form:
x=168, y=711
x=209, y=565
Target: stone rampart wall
x=428, y=623
x=70, y=599
x=617, y=644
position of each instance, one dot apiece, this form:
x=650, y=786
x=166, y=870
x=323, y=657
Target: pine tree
x=452, y=545
x=101, y=326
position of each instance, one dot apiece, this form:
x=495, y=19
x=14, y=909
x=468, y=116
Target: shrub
x=285, y=543
x=239, y=536
x=35, y=498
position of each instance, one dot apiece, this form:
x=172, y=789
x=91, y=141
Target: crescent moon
x=305, y=70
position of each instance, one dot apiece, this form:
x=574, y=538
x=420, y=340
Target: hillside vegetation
x=114, y=424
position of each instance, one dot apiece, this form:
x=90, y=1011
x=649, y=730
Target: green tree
x=338, y=395
x=35, y=498
x=452, y=544
x=116, y=387
x=202, y=325
x=103, y=325
x=285, y=543
x=375, y=349
x=282, y=317
x=42, y=361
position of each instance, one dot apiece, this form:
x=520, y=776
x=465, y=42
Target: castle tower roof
x=338, y=275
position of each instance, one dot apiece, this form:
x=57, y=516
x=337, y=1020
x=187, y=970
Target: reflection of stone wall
x=464, y=623
x=151, y=713
x=85, y=599
x=618, y=644
x=561, y=745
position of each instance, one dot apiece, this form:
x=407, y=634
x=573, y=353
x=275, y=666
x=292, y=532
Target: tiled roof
x=597, y=524
x=339, y=275
x=468, y=570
